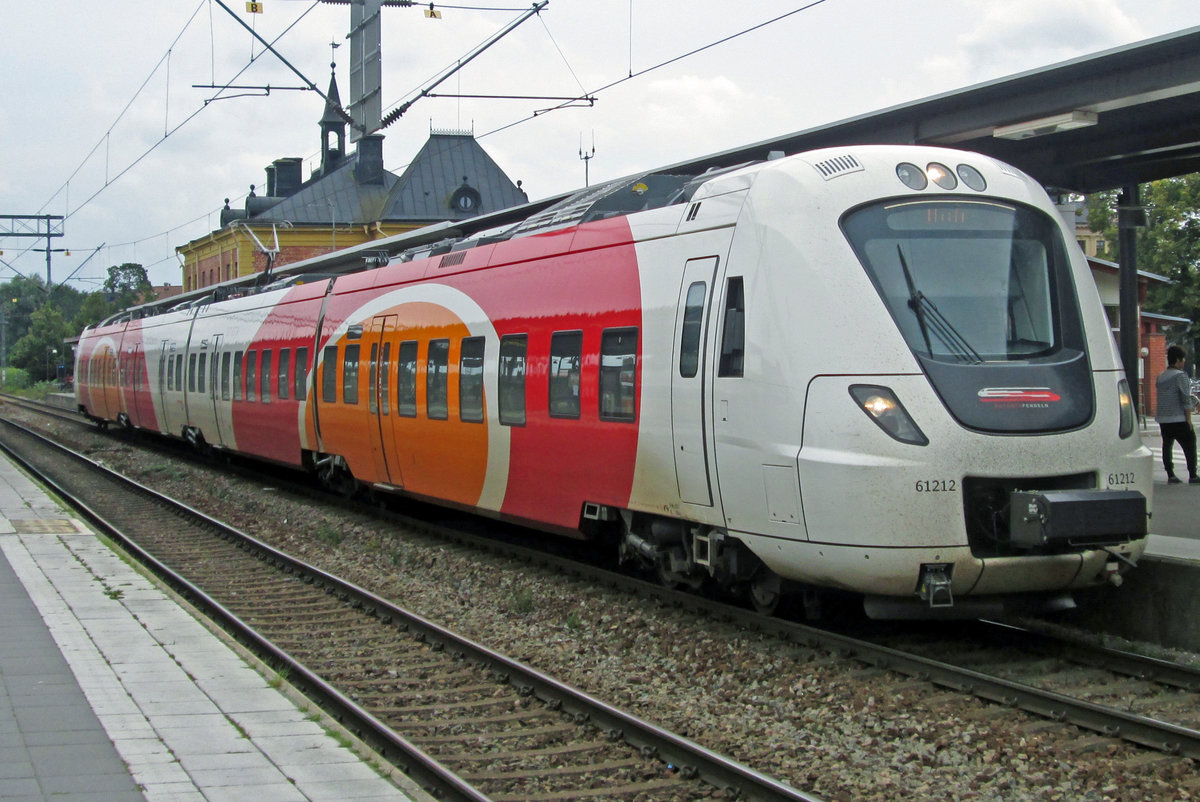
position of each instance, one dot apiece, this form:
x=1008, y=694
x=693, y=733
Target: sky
x=105, y=118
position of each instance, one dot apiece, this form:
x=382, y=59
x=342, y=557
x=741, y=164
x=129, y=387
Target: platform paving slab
x=111, y=691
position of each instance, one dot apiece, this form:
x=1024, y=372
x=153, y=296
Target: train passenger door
x=382, y=346
x=688, y=382
x=214, y=392
x=143, y=405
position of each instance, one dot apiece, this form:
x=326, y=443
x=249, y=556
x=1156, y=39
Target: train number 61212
x=936, y=485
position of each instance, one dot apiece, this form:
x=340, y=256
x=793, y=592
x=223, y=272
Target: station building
x=349, y=199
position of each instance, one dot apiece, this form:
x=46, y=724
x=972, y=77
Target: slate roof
x=337, y=196
x=449, y=163
x=445, y=163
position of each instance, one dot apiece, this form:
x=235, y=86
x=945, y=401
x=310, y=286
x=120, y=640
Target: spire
x=333, y=127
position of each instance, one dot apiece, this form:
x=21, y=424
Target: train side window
x=437, y=380
x=285, y=379
x=470, y=380
x=301, y=373
x=372, y=379
x=252, y=375
x=264, y=372
x=350, y=375
x=406, y=379
x=237, y=376
x=225, y=357
x=512, y=379
x=201, y=364
x=618, y=374
x=329, y=374
x=566, y=360
x=385, y=378
x=733, y=333
x=191, y=373
x=689, y=341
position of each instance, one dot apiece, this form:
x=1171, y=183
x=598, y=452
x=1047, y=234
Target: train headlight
x=881, y=406
x=1128, y=418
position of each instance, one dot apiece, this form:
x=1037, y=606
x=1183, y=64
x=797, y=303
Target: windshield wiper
x=929, y=318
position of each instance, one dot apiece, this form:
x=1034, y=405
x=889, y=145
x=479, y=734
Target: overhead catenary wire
x=168, y=131
x=592, y=94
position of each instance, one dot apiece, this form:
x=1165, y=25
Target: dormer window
x=466, y=200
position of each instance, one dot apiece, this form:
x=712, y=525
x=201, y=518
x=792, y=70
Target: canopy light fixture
x=1046, y=125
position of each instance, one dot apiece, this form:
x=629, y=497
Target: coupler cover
x=1059, y=519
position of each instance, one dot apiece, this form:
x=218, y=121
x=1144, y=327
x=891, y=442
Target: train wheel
x=766, y=591
x=676, y=580
x=335, y=475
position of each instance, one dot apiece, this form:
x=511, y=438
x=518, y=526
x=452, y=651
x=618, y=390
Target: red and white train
x=877, y=369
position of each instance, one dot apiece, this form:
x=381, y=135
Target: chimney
x=287, y=176
x=270, y=181
x=369, y=169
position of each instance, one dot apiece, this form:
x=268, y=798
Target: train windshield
x=966, y=281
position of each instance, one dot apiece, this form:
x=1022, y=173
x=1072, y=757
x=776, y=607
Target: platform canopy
x=1120, y=117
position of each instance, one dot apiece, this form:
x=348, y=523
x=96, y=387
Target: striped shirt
x=1174, y=389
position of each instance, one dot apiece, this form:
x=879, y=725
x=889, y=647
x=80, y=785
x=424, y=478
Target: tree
x=96, y=307
x=1168, y=246
x=127, y=285
x=41, y=349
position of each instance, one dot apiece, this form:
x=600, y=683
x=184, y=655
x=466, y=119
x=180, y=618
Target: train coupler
x=933, y=584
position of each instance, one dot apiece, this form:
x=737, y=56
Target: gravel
x=817, y=721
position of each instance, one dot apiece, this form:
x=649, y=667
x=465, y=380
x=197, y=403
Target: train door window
x=372, y=379
x=470, y=380
x=385, y=378
x=618, y=374
x=512, y=379
x=350, y=375
x=689, y=341
x=329, y=374
x=566, y=358
x=301, y=373
x=285, y=378
x=406, y=379
x=225, y=357
x=191, y=373
x=264, y=377
x=170, y=372
x=733, y=333
x=437, y=379
x=237, y=375
x=252, y=375
x=201, y=364
x=179, y=372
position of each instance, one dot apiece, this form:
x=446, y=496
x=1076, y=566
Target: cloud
x=1018, y=35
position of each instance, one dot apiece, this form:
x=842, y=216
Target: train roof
x=622, y=196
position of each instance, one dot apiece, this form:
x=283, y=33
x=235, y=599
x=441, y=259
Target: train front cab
x=994, y=405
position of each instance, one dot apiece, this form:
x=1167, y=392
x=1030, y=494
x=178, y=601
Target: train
x=877, y=377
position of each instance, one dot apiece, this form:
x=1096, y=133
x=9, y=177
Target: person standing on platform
x=1174, y=415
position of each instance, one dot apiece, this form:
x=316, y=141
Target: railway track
x=464, y=720
x=1145, y=701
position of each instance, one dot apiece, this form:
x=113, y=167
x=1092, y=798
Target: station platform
x=110, y=691
x=1175, y=523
